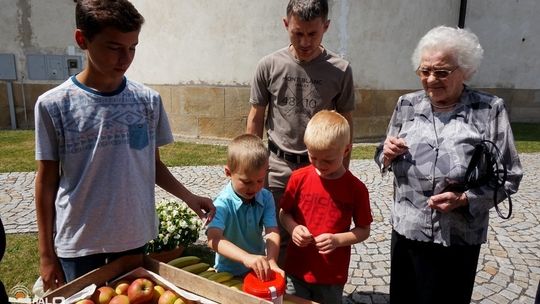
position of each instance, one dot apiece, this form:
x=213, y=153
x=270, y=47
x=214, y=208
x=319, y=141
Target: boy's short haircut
x=92, y=16
x=308, y=10
x=246, y=152
x=327, y=130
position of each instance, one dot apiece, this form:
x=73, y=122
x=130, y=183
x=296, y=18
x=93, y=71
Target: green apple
x=158, y=291
x=168, y=297
x=121, y=287
x=179, y=301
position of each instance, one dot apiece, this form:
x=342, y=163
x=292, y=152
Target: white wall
x=35, y=26
x=216, y=42
x=220, y=42
x=509, y=31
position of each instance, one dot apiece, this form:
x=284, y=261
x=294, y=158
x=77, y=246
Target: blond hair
x=327, y=129
x=246, y=152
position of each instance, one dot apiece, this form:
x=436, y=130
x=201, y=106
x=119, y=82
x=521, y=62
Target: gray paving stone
x=508, y=267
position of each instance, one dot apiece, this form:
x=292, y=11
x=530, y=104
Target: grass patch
x=17, y=151
x=364, y=151
x=20, y=265
x=190, y=154
x=527, y=136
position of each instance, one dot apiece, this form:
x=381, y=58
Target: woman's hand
x=393, y=147
x=447, y=201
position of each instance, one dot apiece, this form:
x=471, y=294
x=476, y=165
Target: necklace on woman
x=443, y=107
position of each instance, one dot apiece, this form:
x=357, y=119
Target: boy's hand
x=51, y=273
x=301, y=236
x=275, y=268
x=259, y=264
x=326, y=243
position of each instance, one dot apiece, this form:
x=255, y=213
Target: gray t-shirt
x=105, y=144
x=294, y=91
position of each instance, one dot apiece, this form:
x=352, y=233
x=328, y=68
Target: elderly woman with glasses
x=437, y=231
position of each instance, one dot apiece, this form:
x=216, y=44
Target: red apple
x=121, y=287
x=120, y=299
x=85, y=301
x=141, y=290
x=103, y=295
x=168, y=297
x=158, y=291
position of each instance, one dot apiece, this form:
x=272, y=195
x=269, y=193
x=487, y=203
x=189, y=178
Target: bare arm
x=47, y=179
x=327, y=242
x=300, y=235
x=221, y=245
x=349, y=118
x=272, y=248
x=169, y=183
x=255, y=120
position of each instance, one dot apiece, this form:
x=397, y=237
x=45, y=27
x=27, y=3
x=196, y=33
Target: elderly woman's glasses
x=437, y=73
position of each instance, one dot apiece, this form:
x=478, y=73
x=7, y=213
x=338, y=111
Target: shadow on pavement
x=367, y=298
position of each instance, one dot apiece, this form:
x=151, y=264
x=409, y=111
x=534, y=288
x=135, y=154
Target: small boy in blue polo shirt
x=243, y=209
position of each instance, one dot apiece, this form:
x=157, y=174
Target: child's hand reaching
x=260, y=265
x=326, y=243
x=301, y=236
x=276, y=269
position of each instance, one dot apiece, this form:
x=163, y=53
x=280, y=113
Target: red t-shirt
x=323, y=206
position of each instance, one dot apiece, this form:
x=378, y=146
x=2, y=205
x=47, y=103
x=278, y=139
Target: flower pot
x=167, y=255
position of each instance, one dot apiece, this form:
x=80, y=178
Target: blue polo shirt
x=242, y=224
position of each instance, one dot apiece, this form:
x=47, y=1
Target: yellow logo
x=20, y=294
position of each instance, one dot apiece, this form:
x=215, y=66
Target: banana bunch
x=194, y=265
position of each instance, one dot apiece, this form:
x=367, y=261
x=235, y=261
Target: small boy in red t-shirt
x=316, y=209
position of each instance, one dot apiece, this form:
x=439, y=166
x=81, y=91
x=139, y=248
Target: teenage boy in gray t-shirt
x=97, y=139
x=294, y=83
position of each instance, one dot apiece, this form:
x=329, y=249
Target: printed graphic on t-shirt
x=105, y=121
x=302, y=95
x=322, y=211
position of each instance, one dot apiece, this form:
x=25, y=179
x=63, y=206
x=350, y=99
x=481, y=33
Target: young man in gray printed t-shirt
x=294, y=83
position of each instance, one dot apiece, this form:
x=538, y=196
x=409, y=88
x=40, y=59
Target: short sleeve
x=346, y=99
x=221, y=215
x=163, y=129
x=362, y=212
x=269, y=214
x=288, y=199
x=260, y=95
x=46, y=135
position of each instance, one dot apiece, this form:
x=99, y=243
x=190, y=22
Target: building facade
x=201, y=55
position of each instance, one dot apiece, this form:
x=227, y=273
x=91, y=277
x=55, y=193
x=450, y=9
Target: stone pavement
x=509, y=266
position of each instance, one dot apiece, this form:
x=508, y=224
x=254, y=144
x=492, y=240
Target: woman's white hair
x=461, y=44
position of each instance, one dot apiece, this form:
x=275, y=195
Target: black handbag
x=485, y=168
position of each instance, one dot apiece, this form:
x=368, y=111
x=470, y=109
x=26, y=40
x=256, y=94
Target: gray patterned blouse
x=439, y=148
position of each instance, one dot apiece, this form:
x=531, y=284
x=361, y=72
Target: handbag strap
x=495, y=172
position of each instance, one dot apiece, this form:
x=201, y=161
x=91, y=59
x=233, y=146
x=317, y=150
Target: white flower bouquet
x=178, y=226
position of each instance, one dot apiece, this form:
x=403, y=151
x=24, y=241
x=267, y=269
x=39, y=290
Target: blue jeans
x=76, y=267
